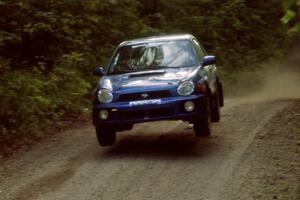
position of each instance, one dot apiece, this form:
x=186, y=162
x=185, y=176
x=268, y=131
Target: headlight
x=186, y=88
x=105, y=96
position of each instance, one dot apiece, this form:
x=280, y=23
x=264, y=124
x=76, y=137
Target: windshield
x=154, y=55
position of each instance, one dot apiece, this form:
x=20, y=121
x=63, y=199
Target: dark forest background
x=49, y=48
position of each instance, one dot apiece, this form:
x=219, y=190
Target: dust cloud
x=272, y=80
x=277, y=84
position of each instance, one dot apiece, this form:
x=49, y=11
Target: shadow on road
x=168, y=146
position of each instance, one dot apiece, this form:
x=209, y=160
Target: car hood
x=147, y=79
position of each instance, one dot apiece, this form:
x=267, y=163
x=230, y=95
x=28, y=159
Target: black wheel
x=202, y=124
x=202, y=127
x=215, y=108
x=221, y=95
x=105, y=136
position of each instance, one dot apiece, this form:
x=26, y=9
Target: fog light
x=189, y=106
x=103, y=114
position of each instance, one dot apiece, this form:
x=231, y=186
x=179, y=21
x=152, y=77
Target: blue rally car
x=157, y=78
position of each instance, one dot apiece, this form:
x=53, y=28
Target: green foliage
x=32, y=101
x=48, y=48
x=290, y=14
x=230, y=29
x=292, y=17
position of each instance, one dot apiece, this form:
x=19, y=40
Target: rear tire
x=105, y=136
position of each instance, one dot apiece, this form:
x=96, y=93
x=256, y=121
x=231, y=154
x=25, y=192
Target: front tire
x=202, y=124
x=220, y=92
x=215, y=110
x=105, y=136
x=202, y=127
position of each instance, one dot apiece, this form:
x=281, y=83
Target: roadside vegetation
x=49, y=48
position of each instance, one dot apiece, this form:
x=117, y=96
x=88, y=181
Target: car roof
x=158, y=39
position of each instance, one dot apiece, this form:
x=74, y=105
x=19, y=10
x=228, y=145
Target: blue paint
x=148, y=92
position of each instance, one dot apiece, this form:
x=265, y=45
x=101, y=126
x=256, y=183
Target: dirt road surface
x=253, y=153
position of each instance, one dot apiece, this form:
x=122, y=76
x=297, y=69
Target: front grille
x=142, y=114
x=161, y=112
x=127, y=115
x=145, y=95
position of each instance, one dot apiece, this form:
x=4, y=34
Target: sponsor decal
x=145, y=102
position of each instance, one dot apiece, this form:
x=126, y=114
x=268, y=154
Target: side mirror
x=99, y=71
x=209, y=60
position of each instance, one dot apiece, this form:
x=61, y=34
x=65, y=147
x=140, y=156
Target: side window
x=201, y=52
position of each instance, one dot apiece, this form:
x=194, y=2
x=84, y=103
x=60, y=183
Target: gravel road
x=253, y=153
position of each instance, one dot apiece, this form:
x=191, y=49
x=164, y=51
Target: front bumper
x=122, y=113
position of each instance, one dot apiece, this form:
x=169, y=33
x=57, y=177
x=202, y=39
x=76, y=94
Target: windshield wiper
x=150, y=73
x=124, y=72
x=157, y=67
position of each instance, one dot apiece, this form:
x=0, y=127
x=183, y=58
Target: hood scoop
x=152, y=73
